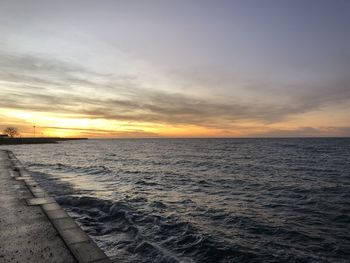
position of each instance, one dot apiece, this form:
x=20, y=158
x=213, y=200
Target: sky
x=184, y=68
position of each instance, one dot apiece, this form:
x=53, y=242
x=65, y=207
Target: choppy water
x=204, y=200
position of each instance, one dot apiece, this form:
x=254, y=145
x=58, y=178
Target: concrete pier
x=33, y=227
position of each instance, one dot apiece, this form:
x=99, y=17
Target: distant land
x=34, y=140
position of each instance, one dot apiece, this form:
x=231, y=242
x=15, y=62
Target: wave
x=150, y=237
x=93, y=169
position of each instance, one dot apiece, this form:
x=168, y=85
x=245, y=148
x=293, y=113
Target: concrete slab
x=40, y=195
x=36, y=189
x=74, y=235
x=37, y=229
x=40, y=200
x=49, y=207
x=26, y=234
x=56, y=214
x=19, y=168
x=64, y=223
x=31, y=182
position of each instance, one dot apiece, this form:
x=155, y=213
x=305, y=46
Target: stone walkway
x=33, y=227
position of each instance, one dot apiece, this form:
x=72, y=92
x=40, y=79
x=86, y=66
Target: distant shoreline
x=37, y=140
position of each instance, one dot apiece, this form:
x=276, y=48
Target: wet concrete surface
x=26, y=234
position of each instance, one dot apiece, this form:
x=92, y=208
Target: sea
x=203, y=200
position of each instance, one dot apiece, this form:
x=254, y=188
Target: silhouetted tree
x=11, y=131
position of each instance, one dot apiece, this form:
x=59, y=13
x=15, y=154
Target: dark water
x=204, y=200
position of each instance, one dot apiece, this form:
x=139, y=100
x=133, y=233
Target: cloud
x=107, y=133
x=42, y=73
x=34, y=83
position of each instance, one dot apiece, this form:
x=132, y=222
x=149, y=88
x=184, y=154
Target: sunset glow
x=122, y=69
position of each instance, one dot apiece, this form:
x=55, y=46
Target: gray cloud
x=47, y=85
